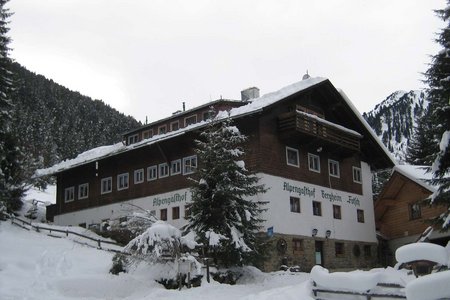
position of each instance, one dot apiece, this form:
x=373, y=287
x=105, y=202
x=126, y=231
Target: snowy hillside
x=394, y=119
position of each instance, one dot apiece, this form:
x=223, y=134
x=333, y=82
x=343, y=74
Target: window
x=357, y=175
x=152, y=173
x=336, y=212
x=133, y=139
x=163, y=214
x=292, y=157
x=69, y=194
x=415, y=211
x=175, y=167
x=122, y=181
x=83, y=191
x=189, y=164
x=295, y=204
x=138, y=176
x=147, y=134
x=106, y=185
x=333, y=168
x=317, y=208
x=174, y=126
x=339, y=249
x=314, y=162
x=163, y=170
x=297, y=245
x=360, y=215
x=207, y=115
x=175, y=213
x=367, y=251
x=162, y=129
x=190, y=120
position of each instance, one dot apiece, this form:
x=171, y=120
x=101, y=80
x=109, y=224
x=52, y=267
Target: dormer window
x=190, y=120
x=133, y=139
x=174, y=126
x=162, y=129
x=147, y=134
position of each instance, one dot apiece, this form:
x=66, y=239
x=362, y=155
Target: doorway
x=318, y=253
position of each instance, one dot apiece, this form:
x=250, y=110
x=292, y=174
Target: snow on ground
x=36, y=266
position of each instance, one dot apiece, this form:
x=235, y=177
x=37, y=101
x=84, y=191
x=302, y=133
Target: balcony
x=318, y=131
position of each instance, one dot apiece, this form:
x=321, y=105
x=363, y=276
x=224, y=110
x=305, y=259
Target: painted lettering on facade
x=325, y=194
x=175, y=198
x=353, y=200
x=331, y=196
x=304, y=190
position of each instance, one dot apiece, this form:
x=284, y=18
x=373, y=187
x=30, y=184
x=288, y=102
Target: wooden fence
x=25, y=224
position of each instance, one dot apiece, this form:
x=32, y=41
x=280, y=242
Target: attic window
x=133, y=139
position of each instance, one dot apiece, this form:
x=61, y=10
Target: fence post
x=99, y=243
x=37, y=228
x=67, y=232
x=207, y=270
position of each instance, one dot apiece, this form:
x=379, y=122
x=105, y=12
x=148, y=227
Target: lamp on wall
x=327, y=233
x=314, y=232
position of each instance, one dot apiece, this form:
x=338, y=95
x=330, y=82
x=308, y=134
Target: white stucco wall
x=278, y=214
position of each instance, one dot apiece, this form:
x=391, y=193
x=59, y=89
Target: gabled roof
x=254, y=106
x=418, y=174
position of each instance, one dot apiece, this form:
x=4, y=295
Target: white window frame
x=148, y=132
x=132, y=139
x=188, y=166
x=315, y=161
x=171, y=125
x=297, y=155
x=123, y=181
x=161, y=127
x=163, y=170
x=81, y=188
x=190, y=117
x=331, y=170
x=138, y=176
x=102, y=190
x=69, y=194
x=152, y=173
x=175, y=167
x=357, y=173
x=295, y=208
x=358, y=212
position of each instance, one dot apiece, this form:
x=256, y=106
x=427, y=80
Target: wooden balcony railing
x=316, y=127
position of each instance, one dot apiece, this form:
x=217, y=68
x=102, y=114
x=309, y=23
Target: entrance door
x=319, y=252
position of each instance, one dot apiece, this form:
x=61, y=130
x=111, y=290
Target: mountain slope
x=394, y=119
x=53, y=123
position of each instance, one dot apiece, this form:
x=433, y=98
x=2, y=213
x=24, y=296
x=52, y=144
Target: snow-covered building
x=307, y=143
x=400, y=214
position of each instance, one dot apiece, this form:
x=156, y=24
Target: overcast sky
x=146, y=57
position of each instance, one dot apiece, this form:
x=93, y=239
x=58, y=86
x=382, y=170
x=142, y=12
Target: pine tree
x=11, y=171
x=422, y=145
x=438, y=80
x=223, y=217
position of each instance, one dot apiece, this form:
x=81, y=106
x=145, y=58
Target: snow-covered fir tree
x=422, y=145
x=11, y=170
x=438, y=80
x=221, y=213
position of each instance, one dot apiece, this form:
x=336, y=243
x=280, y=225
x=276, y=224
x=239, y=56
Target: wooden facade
x=400, y=211
x=316, y=121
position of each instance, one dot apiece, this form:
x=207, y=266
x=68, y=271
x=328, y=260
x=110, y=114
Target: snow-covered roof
x=418, y=174
x=254, y=105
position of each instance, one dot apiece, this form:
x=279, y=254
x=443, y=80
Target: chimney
x=250, y=93
x=184, y=106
